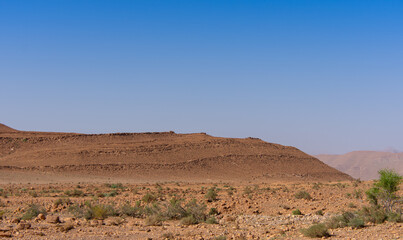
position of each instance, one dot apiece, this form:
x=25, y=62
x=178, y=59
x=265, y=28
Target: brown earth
x=364, y=164
x=162, y=156
x=66, y=176
x=254, y=211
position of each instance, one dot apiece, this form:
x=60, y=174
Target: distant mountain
x=364, y=164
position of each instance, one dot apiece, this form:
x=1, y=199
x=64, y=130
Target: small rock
x=22, y=226
x=41, y=216
x=53, y=219
x=16, y=220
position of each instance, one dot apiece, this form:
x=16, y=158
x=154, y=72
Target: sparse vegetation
x=211, y=194
x=303, y=195
x=316, y=231
x=346, y=219
x=33, y=211
x=383, y=193
x=296, y=212
x=74, y=193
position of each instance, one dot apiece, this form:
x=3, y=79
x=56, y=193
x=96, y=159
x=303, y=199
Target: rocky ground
x=238, y=211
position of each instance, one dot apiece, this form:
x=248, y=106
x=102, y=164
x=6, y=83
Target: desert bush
x=196, y=210
x=316, y=231
x=152, y=209
x=33, y=194
x=62, y=201
x=352, y=205
x=383, y=193
x=189, y=220
x=113, y=193
x=33, y=211
x=344, y=220
x=211, y=194
x=2, y=214
x=116, y=185
x=174, y=210
x=149, y=197
x=222, y=237
x=74, y=193
x=100, y=212
x=154, y=220
x=211, y=220
x=296, y=212
x=303, y=195
x=316, y=186
x=213, y=211
x=356, y=222
x=319, y=212
x=89, y=211
x=395, y=217
x=247, y=190
x=131, y=211
x=373, y=214
x=168, y=236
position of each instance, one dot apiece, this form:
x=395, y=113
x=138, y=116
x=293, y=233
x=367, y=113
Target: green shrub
x=149, y=197
x=222, y=237
x=2, y=214
x=319, y=212
x=211, y=220
x=100, y=212
x=211, y=194
x=356, y=223
x=395, y=217
x=113, y=193
x=116, y=185
x=296, y=212
x=174, y=210
x=74, y=193
x=352, y=205
x=247, y=190
x=213, y=211
x=33, y=211
x=373, y=214
x=346, y=219
x=316, y=231
x=154, y=220
x=198, y=211
x=383, y=193
x=33, y=194
x=189, y=220
x=128, y=210
x=303, y=195
x=168, y=236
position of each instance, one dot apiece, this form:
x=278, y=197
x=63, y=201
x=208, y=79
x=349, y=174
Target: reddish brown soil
x=162, y=156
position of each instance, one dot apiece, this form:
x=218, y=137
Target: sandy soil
x=245, y=211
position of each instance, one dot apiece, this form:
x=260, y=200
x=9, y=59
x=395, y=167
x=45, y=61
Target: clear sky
x=324, y=76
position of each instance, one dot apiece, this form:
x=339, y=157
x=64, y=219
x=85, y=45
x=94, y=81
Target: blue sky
x=324, y=76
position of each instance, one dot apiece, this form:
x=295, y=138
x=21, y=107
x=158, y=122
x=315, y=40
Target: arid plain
x=172, y=186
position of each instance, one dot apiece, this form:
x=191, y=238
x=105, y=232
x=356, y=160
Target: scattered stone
x=23, y=226
x=54, y=219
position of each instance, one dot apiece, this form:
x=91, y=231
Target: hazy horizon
x=325, y=77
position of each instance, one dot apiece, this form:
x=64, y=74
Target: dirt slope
x=6, y=129
x=159, y=157
x=364, y=164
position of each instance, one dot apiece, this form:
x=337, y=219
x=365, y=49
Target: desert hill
x=6, y=129
x=364, y=164
x=159, y=156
